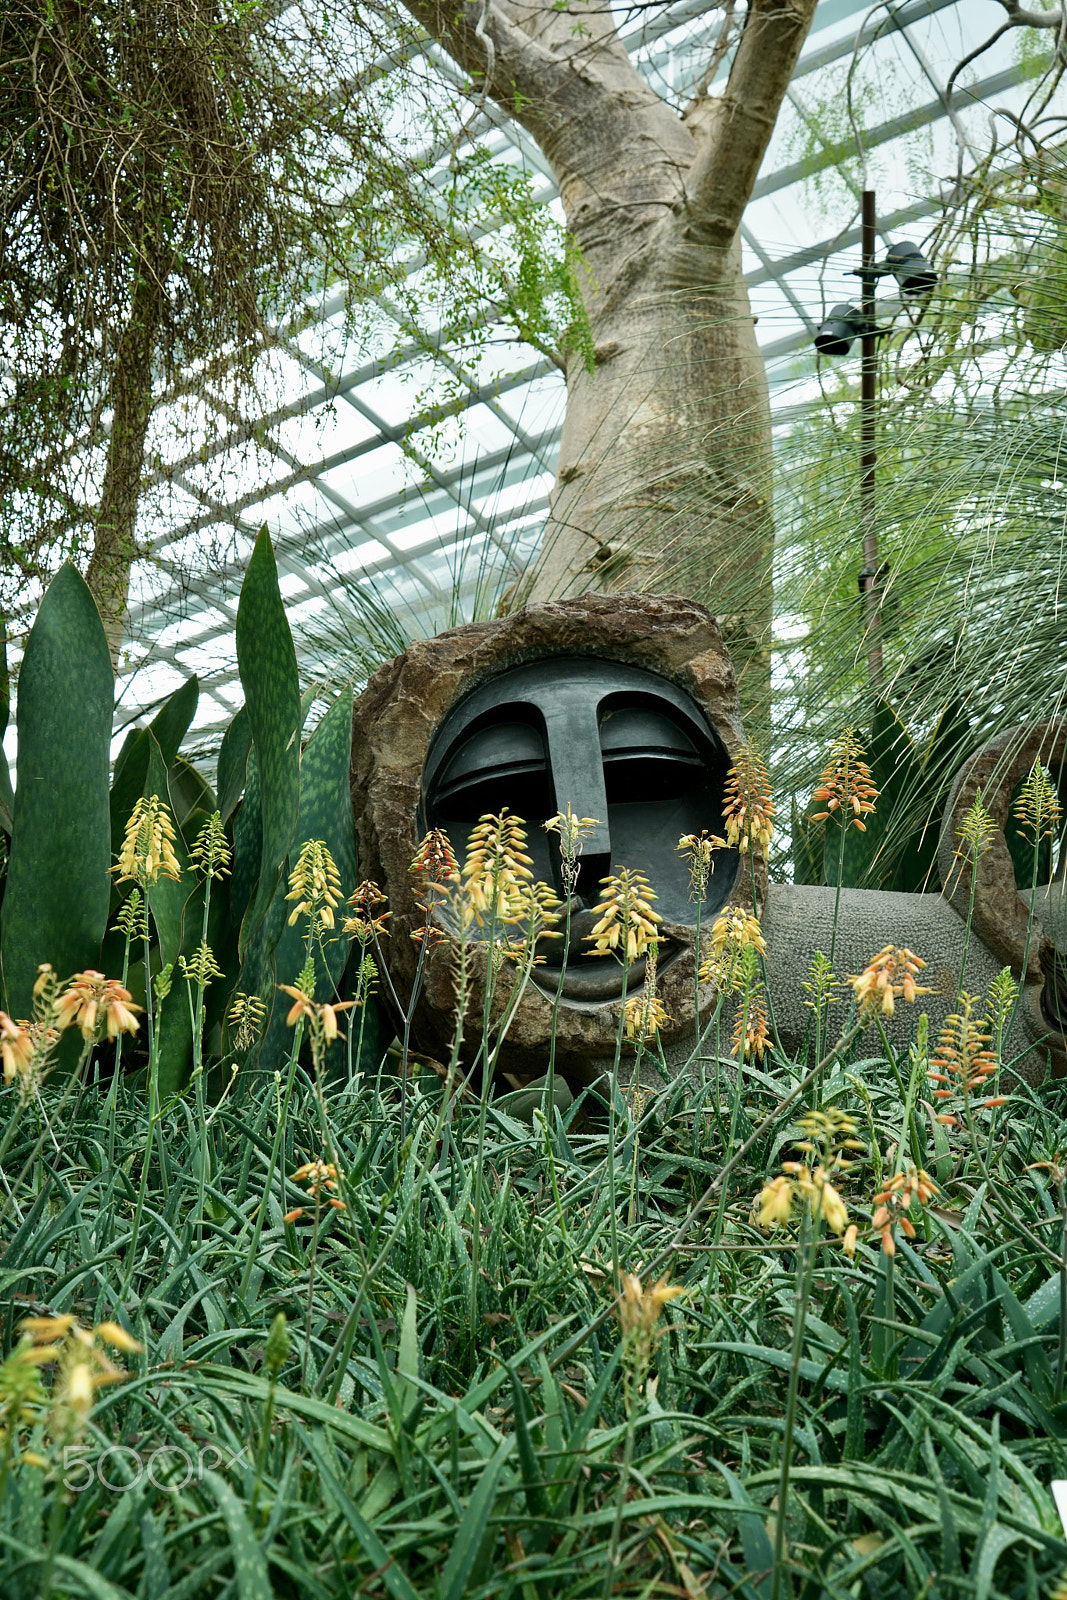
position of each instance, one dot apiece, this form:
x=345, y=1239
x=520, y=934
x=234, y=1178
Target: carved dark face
x=618, y=744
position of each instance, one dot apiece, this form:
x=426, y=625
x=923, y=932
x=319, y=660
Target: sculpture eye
x=500, y=764
x=646, y=755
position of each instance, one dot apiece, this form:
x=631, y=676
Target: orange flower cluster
x=368, y=919
x=750, y=1026
x=16, y=1047
x=890, y=976
x=964, y=1062
x=89, y=998
x=894, y=1203
x=846, y=783
x=749, y=811
x=434, y=864
x=319, y=1176
x=323, y=1016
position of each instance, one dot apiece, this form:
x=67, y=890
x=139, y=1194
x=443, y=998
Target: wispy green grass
x=423, y=1457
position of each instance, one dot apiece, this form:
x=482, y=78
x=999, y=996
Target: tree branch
x=1021, y=18
x=485, y=43
x=721, y=178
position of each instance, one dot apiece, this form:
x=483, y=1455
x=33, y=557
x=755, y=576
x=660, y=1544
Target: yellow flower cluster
x=627, y=925
x=750, y=1025
x=211, y=850
x=245, y=1014
x=148, y=845
x=645, y=1016
x=1038, y=807
x=801, y=1183
x=83, y=1365
x=749, y=811
x=323, y=1017
x=573, y=831
x=638, y=1310
x=846, y=784
x=315, y=884
x=700, y=848
x=17, y=1048
x=434, y=866
x=496, y=873
x=964, y=1062
x=976, y=832
x=734, y=933
x=828, y=1136
x=887, y=978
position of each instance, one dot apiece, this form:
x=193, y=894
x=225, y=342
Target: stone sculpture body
x=626, y=706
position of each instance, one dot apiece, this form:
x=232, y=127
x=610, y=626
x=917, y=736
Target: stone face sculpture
x=623, y=705
x=626, y=706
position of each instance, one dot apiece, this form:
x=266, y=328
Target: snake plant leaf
x=58, y=889
x=266, y=661
x=166, y=899
x=168, y=728
x=190, y=796
x=233, y=764
x=7, y=796
x=177, y=912
x=247, y=845
x=325, y=813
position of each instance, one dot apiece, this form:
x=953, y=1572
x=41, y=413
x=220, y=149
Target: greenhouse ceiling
x=335, y=465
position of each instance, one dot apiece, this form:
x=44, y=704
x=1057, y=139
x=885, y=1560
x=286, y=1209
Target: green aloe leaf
x=58, y=889
x=267, y=664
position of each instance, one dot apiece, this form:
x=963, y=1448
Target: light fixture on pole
x=835, y=337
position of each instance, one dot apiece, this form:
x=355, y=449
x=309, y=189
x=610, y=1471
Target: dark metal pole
x=868, y=450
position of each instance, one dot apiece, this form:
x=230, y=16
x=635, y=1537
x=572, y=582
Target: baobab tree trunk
x=664, y=469
x=115, y=543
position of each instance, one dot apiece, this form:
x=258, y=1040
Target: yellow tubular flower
x=315, y=885
x=700, y=849
x=16, y=1048
x=627, y=922
x=775, y=1203
x=975, y=834
x=91, y=998
x=211, y=852
x=1038, y=807
x=148, y=845
x=888, y=977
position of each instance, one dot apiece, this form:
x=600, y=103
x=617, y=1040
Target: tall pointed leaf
x=233, y=763
x=168, y=728
x=7, y=797
x=267, y=664
x=58, y=888
x=325, y=813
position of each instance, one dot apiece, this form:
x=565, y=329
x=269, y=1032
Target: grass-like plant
x=374, y=1343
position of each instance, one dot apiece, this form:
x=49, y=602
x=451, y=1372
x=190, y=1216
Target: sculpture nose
x=572, y=737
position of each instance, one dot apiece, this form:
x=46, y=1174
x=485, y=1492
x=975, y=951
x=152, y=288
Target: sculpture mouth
x=598, y=979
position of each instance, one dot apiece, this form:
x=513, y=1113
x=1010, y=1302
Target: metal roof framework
x=335, y=469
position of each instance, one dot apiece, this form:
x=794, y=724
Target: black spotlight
x=834, y=336
x=910, y=268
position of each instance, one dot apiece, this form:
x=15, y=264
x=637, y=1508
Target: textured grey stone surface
x=798, y=921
